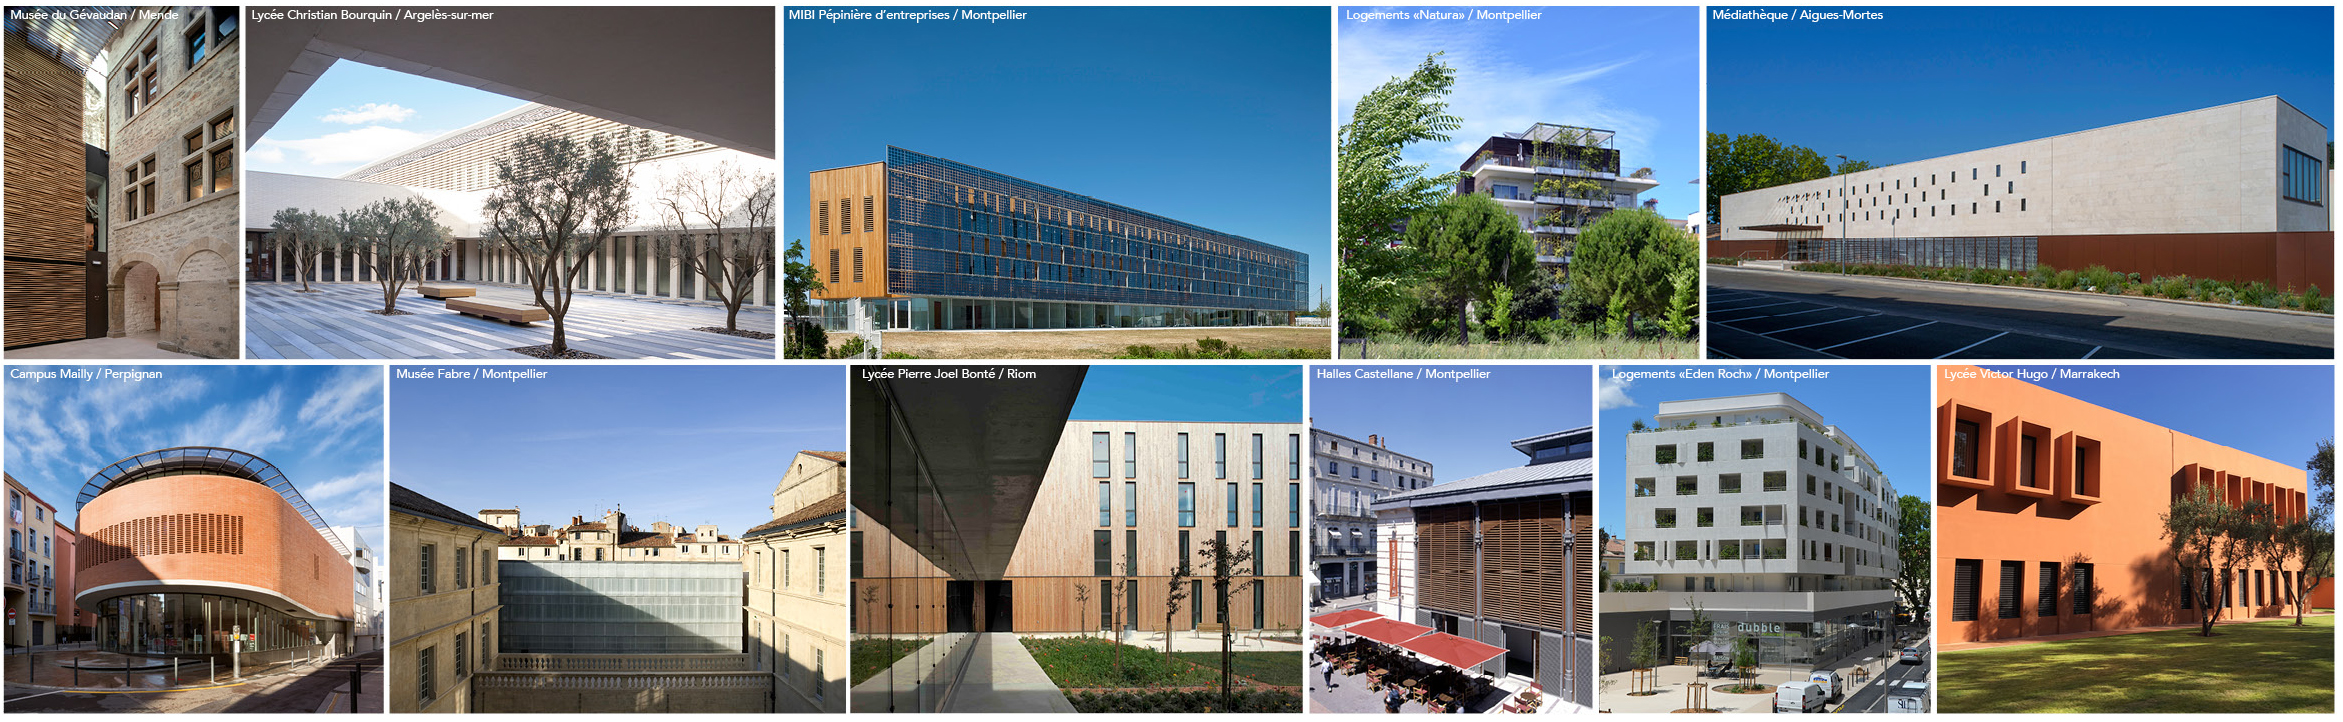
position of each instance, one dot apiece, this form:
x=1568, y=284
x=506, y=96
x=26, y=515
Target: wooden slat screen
x=44, y=190
x=1525, y=572
x=1582, y=568
x=1444, y=558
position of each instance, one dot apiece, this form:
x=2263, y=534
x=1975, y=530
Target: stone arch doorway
x=137, y=302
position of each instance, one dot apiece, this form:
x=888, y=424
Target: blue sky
x=356, y=114
x=1191, y=392
x=1885, y=408
x=1216, y=116
x=1635, y=70
x=320, y=425
x=1927, y=82
x=1462, y=428
x=2274, y=412
x=687, y=445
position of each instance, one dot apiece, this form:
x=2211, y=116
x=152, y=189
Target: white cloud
x=1611, y=392
x=1494, y=92
x=345, y=399
x=249, y=428
x=349, y=148
x=369, y=113
x=359, y=484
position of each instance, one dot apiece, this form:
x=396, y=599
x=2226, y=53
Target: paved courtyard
x=302, y=688
x=338, y=322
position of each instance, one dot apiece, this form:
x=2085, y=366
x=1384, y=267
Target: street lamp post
x=1842, y=204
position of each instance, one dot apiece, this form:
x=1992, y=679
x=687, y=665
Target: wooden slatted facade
x=45, y=194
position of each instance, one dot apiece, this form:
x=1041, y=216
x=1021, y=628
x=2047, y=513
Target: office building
x=2234, y=192
x=1777, y=524
x=1505, y=558
x=2049, y=508
x=1557, y=179
x=922, y=243
x=187, y=549
x=445, y=604
x=121, y=177
x=797, y=597
x=40, y=555
x=610, y=539
x=1348, y=477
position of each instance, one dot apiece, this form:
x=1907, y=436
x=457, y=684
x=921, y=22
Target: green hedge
x=1178, y=702
x=2097, y=279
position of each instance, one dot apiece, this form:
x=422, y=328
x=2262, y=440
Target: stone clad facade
x=174, y=150
x=797, y=598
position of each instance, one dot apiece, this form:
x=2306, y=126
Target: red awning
x=1337, y=620
x=1452, y=650
x=1389, y=631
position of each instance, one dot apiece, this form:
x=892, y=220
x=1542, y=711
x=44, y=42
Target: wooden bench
x=441, y=292
x=518, y=314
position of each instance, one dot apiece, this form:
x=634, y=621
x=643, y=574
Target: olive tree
x=305, y=235
x=555, y=201
x=718, y=223
x=391, y=239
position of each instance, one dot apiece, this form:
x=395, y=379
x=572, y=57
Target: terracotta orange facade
x=2059, y=500
x=212, y=535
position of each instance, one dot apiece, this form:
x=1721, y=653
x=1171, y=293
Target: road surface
x=1873, y=698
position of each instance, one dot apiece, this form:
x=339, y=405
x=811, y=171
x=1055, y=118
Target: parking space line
x=1867, y=338
x=1974, y=345
x=2094, y=351
x=1753, y=308
x=1783, y=315
x=1812, y=325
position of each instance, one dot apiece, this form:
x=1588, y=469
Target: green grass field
x=1087, y=663
x=2246, y=668
x=1283, y=669
x=871, y=656
x=1396, y=348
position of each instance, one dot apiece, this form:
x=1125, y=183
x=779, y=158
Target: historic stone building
x=797, y=599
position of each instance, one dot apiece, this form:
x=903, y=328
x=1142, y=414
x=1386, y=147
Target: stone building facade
x=444, y=604
x=609, y=539
x=172, y=153
x=796, y=607
x=36, y=562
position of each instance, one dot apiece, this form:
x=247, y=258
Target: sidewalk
x=307, y=689
x=1673, y=679
x=1002, y=677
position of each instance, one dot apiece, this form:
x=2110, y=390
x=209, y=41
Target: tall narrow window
x=822, y=218
x=2046, y=591
x=462, y=580
x=2027, y=445
x=1185, y=554
x=1293, y=506
x=2081, y=591
x=1187, y=505
x=1101, y=455
x=869, y=215
x=1106, y=506
x=2011, y=588
x=1965, y=580
x=1130, y=503
x=1293, y=456
x=1183, y=456
x=425, y=572
x=845, y=216
x=821, y=571
x=858, y=264
x=1257, y=496
x=834, y=265
x=1220, y=456
x=457, y=654
x=1102, y=553
x=1131, y=553
x=425, y=688
x=1232, y=504
x=1130, y=455
x=1964, y=451
x=1293, y=554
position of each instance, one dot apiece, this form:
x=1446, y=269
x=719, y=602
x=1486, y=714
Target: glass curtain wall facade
x=192, y=624
x=969, y=248
x=620, y=607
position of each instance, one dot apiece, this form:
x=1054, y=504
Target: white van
x=1909, y=697
x=1799, y=697
x=1832, y=687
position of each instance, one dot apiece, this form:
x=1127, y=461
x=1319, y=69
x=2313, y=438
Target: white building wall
x=1396, y=557
x=2204, y=171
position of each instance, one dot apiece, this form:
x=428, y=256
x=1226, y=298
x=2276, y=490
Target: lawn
x=2246, y=668
x=1591, y=348
x=1086, y=663
x=871, y=656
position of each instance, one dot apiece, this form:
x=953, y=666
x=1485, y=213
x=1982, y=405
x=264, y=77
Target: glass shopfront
x=191, y=624
x=957, y=314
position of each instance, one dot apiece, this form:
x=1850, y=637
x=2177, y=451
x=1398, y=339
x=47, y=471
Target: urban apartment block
x=2235, y=192
x=1349, y=477
x=2049, y=514
x=1779, y=525
x=921, y=243
x=1557, y=179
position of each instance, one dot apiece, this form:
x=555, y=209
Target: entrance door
x=959, y=612
x=1521, y=652
x=999, y=608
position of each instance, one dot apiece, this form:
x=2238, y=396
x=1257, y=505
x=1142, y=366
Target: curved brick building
x=185, y=548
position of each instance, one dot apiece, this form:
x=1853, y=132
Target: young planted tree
x=1082, y=598
x=1644, y=655
x=799, y=280
x=1228, y=563
x=2199, y=529
x=305, y=235
x=392, y=238
x=1176, y=593
x=1476, y=247
x=718, y=223
x=556, y=200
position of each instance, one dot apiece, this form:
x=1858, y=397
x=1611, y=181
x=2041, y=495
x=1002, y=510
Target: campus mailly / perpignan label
x=82, y=373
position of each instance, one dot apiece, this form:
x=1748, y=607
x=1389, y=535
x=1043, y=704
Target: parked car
x=1909, y=697
x=1832, y=686
x=1912, y=655
x=1800, y=697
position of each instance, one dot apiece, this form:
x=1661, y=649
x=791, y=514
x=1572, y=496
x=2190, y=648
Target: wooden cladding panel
x=837, y=221
x=898, y=606
x=45, y=301
x=1522, y=554
x=43, y=188
x=1049, y=604
x=1444, y=558
x=1582, y=566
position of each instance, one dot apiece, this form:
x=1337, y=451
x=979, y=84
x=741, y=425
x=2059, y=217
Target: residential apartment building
x=2048, y=511
x=1778, y=524
x=922, y=243
x=1121, y=505
x=1506, y=558
x=610, y=539
x=1348, y=477
x=457, y=172
x=2234, y=192
x=445, y=604
x=121, y=177
x=33, y=564
x=797, y=597
x=366, y=627
x=1557, y=179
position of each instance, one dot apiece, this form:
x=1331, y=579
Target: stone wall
x=188, y=240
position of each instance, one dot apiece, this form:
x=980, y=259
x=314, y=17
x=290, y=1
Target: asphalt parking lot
x=1747, y=324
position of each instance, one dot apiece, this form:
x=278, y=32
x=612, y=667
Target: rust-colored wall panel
x=2287, y=260
x=1765, y=250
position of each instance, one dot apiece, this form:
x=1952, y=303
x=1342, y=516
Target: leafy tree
x=392, y=237
x=1176, y=593
x=1700, y=630
x=1750, y=162
x=1376, y=192
x=2322, y=476
x=1850, y=166
x=305, y=235
x=1629, y=256
x=2311, y=542
x=2201, y=528
x=1477, y=247
x=1645, y=654
x=1229, y=562
x=803, y=337
x=1913, y=567
x=718, y=223
x=556, y=201
x=1683, y=304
